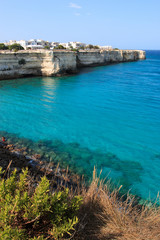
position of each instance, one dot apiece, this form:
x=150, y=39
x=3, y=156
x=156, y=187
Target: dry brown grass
x=105, y=216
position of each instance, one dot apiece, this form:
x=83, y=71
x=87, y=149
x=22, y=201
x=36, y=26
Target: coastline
x=102, y=213
x=42, y=159
x=26, y=63
x=13, y=158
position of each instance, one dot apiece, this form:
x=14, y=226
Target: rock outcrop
x=52, y=63
x=91, y=58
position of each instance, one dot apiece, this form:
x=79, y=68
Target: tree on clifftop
x=16, y=47
x=90, y=46
x=95, y=47
x=59, y=47
x=3, y=46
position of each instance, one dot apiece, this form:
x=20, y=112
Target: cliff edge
x=59, y=62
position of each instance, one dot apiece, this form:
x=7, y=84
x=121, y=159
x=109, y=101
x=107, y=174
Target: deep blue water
x=105, y=116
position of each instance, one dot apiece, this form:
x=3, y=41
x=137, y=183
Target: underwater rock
x=80, y=160
x=74, y=145
x=57, y=144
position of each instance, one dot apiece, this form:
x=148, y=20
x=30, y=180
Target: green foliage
x=22, y=61
x=95, y=47
x=47, y=47
x=9, y=233
x=65, y=227
x=81, y=48
x=116, y=49
x=59, y=47
x=65, y=213
x=90, y=46
x=39, y=203
x=74, y=50
x=38, y=238
x=16, y=47
x=3, y=46
x=20, y=207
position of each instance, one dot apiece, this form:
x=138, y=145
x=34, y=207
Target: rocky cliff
x=51, y=63
x=105, y=57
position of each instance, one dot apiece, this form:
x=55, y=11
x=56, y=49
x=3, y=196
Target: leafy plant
x=20, y=208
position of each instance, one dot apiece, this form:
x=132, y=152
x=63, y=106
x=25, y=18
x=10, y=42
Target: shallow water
x=105, y=116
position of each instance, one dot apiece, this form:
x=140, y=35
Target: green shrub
x=22, y=61
x=90, y=46
x=3, y=46
x=47, y=47
x=16, y=47
x=59, y=47
x=73, y=49
x=20, y=207
x=95, y=47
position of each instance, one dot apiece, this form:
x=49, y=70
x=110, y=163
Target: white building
x=106, y=47
x=35, y=44
x=63, y=44
x=10, y=42
x=68, y=45
x=76, y=44
x=23, y=43
x=40, y=44
x=54, y=44
x=31, y=44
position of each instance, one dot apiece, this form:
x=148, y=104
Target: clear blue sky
x=120, y=23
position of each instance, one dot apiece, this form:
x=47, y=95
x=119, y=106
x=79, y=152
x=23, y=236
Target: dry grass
x=105, y=216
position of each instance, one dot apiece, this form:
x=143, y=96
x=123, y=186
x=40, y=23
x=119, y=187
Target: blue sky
x=120, y=23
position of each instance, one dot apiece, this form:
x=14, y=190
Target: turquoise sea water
x=105, y=116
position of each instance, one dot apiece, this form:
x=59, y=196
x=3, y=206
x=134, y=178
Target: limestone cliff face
x=58, y=63
x=105, y=57
x=36, y=63
x=51, y=63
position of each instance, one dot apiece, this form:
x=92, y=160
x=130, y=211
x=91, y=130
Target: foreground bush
x=35, y=212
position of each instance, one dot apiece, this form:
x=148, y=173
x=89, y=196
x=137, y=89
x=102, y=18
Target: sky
x=124, y=24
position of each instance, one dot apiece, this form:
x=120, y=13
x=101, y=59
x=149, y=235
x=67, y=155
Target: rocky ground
x=11, y=157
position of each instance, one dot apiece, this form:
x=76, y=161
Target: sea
x=106, y=117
